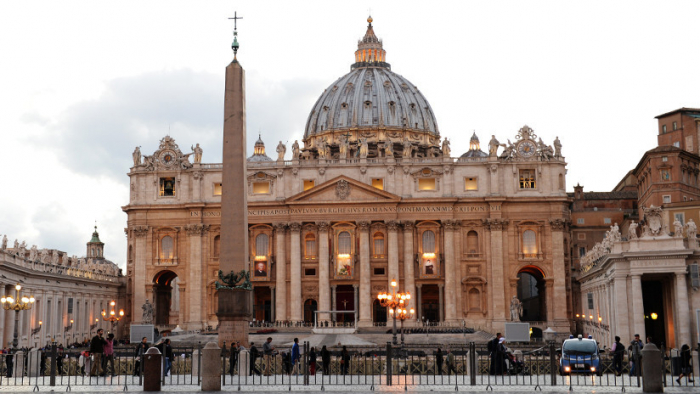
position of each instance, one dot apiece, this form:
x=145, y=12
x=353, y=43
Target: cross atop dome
x=370, y=51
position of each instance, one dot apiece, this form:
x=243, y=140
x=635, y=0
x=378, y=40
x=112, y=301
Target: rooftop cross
x=235, y=45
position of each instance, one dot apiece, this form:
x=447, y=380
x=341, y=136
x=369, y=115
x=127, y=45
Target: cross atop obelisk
x=235, y=304
x=235, y=45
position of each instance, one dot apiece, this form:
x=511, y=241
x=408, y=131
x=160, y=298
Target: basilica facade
x=372, y=194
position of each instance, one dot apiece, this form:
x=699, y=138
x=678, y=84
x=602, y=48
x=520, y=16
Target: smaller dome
x=474, y=148
x=259, y=151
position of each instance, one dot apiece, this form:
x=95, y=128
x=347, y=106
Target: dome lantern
x=259, y=151
x=370, y=51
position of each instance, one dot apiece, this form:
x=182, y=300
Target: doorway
x=430, y=303
x=345, y=301
x=310, y=306
x=262, y=304
x=162, y=287
x=531, y=293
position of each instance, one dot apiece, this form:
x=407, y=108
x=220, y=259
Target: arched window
x=166, y=247
x=529, y=243
x=261, y=245
x=378, y=244
x=310, y=245
x=217, y=245
x=472, y=243
x=428, y=241
x=344, y=243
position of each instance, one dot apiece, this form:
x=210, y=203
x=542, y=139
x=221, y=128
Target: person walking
x=326, y=360
x=168, y=356
x=312, y=361
x=139, y=352
x=344, y=360
x=635, y=354
x=451, y=363
x=267, y=356
x=108, y=360
x=296, y=357
x=233, y=357
x=439, y=359
x=618, y=351
x=685, y=365
x=97, y=350
x=254, y=354
x=493, y=353
x=9, y=362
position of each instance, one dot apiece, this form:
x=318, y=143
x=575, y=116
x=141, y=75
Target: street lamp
x=68, y=327
x=93, y=326
x=17, y=304
x=36, y=330
x=397, y=303
x=112, y=314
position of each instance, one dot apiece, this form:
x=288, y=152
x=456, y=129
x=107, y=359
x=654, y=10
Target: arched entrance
x=430, y=303
x=163, y=289
x=531, y=292
x=378, y=312
x=310, y=306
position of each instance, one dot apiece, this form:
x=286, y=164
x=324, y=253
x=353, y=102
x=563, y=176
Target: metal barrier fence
x=455, y=366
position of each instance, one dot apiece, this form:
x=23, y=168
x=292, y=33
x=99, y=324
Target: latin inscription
x=357, y=210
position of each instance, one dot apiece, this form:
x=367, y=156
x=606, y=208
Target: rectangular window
x=664, y=158
x=261, y=187
x=308, y=184
x=689, y=143
x=379, y=271
x=167, y=187
x=581, y=251
x=677, y=144
x=470, y=183
x=426, y=184
x=607, y=221
x=590, y=300
x=675, y=126
x=310, y=272
x=527, y=179
x=580, y=221
x=680, y=217
x=663, y=129
x=217, y=189
x=70, y=306
x=667, y=199
x=378, y=183
x=582, y=236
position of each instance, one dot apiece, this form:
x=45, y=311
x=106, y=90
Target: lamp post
x=17, y=304
x=112, y=317
x=65, y=330
x=397, y=303
x=36, y=330
x=93, y=326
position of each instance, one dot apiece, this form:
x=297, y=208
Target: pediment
x=343, y=189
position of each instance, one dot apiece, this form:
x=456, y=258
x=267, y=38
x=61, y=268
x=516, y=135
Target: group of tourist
x=634, y=354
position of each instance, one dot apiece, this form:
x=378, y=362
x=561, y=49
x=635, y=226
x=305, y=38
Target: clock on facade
x=526, y=148
x=167, y=157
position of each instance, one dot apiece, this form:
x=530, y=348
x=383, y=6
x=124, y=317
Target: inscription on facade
x=356, y=210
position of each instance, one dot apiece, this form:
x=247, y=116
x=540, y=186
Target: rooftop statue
x=197, y=153
x=137, y=156
x=493, y=146
x=557, y=147
x=691, y=229
x=281, y=150
x=446, y=147
x=295, y=150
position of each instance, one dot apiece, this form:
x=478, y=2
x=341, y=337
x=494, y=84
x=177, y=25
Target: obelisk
x=234, y=311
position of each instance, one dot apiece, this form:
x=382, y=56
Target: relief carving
x=140, y=231
x=558, y=224
x=322, y=226
x=280, y=227
x=363, y=225
x=294, y=227
x=496, y=224
x=392, y=225
x=196, y=229
x=408, y=225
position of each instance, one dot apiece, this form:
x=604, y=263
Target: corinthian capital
x=280, y=227
x=392, y=225
x=558, y=224
x=363, y=225
x=323, y=226
x=407, y=225
x=140, y=231
x=196, y=229
x=496, y=224
x=294, y=227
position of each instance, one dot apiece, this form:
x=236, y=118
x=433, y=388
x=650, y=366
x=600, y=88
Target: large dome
x=371, y=96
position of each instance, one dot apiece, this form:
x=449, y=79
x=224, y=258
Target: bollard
x=152, y=369
x=211, y=377
x=243, y=363
x=195, y=362
x=696, y=363
x=18, y=365
x=651, y=365
x=34, y=363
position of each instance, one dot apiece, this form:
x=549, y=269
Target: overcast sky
x=84, y=82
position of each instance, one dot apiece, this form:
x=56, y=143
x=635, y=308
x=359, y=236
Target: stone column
x=558, y=298
x=356, y=300
x=296, y=303
x=409, y=279
x=140, y=263
x=683, y=327
x=281, y=272
x=498, y=303
x=365, y=304
x=419, y=303
x=441, y=307
x=334, y=302
x=638, y=307
x=392, y=227
x=450, y=272
x=273, y=301
x=324, y=297
x=194, y=234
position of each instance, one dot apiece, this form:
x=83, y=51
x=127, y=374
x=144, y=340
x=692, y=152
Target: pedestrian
x=685, y=364
x=296, y=357
x=234, y=357
x=326, y=360
x=108, y=360
x=312, y=361
x=9, y=361
x=168, y=357
x=59, y=361
x=635, y=356
x=254, y=354
x=268, y=350
x=139, y=352
x=85, y=361
x=493, y=352
x=618, y=350
x=97, y=350
x=439, y=359
x=451, y=363
x=344, y=360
